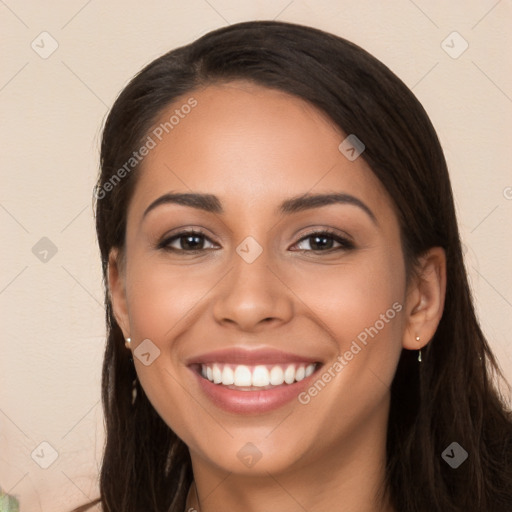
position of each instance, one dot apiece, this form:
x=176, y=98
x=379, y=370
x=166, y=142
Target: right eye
x=191, y=241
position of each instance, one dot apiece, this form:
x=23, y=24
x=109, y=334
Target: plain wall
x=52, y=110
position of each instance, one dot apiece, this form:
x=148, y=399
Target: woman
x=290, y=325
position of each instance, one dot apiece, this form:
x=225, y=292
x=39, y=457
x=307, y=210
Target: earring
x=419, y=351
x=127, y=343
x=134, y=390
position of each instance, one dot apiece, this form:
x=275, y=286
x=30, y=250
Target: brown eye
x=324, y=241
x=185, y=241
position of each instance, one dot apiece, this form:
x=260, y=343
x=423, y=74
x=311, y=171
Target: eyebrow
x=210, y=203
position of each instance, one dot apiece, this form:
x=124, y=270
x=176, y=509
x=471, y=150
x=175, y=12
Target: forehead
x=250, y=144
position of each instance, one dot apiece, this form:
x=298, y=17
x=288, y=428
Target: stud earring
x=419, y=351
x=127, y=343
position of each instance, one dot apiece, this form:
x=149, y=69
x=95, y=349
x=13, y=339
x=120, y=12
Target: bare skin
x=254, y=148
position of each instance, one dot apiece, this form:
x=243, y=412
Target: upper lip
x=238, y=355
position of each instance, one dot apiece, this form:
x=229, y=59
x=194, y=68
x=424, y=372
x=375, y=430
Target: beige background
x=52, y=320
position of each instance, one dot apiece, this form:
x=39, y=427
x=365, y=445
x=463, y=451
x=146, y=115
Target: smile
x=248, y=382
x=250, y=378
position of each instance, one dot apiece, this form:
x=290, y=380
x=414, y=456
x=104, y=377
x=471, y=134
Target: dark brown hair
x=449, y=397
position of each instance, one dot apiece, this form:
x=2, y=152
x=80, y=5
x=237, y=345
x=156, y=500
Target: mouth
x=261, y=377
x=253, y=389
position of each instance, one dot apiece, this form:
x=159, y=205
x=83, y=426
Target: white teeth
x=228, y=377
x=300, y=373
x=289, y=374
x=276, y=376
x=260, y=376
x=217, y=374
x=256, y=376
x=242, y=376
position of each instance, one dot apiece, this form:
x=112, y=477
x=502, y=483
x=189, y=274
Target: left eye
x=322, y=241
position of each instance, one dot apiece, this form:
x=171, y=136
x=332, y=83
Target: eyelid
x=324, y=230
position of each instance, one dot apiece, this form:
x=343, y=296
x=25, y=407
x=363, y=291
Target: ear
x=117, y=291
x=425, y=299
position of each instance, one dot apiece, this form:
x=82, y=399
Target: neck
x=348, y=477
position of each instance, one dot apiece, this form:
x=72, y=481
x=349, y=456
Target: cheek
x=164, y=302
x=351, y=298
x=161, y=297
x=360, y=305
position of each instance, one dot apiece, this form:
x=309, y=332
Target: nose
x=253, y=295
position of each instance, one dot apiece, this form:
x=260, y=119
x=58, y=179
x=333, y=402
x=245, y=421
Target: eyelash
x=345, y=243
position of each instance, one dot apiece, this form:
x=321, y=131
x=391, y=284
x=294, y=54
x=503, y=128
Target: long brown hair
x=452, y=396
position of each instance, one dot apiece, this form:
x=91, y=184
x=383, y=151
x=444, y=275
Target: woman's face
x=255, y=296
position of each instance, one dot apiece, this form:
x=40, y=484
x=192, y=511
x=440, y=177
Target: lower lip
x=252, y=402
